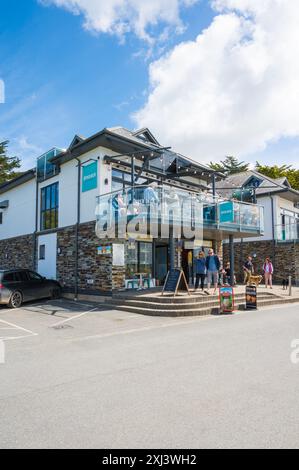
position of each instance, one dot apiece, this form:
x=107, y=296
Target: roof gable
x=78, y=139
x=145, y=134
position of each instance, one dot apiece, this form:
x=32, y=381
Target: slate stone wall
x=285, y=258
x=17, y=252
x=95, y=272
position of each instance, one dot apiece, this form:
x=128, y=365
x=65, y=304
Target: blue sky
x=61, y=79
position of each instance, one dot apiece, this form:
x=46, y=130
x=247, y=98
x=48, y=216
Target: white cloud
x=2, y=91
x=122, y=16
x=232, y=90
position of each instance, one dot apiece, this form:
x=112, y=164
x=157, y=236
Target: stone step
x=182, y=300
x=177, y=305
x=196, y=311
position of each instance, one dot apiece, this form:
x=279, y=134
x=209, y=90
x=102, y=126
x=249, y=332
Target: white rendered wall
x=19, y=217
x=68, y=188
x=47, y=267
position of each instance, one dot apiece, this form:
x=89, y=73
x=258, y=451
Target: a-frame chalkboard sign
x=175, y=281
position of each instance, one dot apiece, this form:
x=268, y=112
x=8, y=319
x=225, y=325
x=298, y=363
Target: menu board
x=175, y=281
x=251, y=298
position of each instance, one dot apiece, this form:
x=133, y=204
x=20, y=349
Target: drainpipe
x=232, y=259
x=171, y=242
x=77, y=228
x=34, y=257
x=273, y=228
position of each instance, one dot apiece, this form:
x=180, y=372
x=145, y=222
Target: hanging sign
x=90, y=177
x=175, y=281
x=251, y=298
x=226, y=299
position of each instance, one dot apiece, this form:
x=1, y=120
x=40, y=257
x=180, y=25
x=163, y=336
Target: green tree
x=230, y=166
x=8, y=165
x=275, y=171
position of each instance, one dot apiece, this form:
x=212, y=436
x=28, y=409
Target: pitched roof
x=268, y=185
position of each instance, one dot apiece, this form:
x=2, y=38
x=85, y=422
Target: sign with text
x=251, y=298
x=227, y=299
x=90, y=177
x=226, y=212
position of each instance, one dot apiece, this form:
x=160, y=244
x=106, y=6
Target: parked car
x=22, y=285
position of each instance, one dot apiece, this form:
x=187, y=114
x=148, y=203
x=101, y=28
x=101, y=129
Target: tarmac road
x=80, y=376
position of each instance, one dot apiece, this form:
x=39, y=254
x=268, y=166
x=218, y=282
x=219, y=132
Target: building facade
x=281, y=223
x=63, y=218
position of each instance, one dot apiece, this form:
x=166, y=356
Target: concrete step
x=195, y=310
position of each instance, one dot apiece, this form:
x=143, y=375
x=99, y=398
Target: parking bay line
x=73, y=318
x=144, y=328
x=17, y=327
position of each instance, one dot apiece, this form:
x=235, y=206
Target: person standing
x=268, y=272
x=213, y=267
x=248, y=269
x=200, y=270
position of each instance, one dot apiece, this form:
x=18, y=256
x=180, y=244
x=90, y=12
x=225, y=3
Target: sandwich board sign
x=251, y=298
x=175, y=281
x=227, y=299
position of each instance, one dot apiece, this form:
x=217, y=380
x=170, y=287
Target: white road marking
x=73, y=318
x=144, y=328
x=12, y=326
x=17, y=327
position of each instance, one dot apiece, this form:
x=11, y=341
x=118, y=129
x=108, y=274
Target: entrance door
x=187, y=264
x=161, y=263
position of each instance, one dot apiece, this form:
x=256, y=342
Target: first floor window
x=49, y=207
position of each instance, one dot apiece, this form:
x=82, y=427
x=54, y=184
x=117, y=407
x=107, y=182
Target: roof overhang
x=8, y=185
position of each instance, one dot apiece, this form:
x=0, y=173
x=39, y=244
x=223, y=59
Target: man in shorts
x=213, y=266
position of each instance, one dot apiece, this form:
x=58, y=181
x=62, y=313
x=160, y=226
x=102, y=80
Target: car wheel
x=55, y=293
x=16, y=300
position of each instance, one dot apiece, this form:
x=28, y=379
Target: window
x=49, y=207
x=42, y=252
x=122, y=179
x=34, y=276
x=9, y=277
x=46, y=169
x=138, y=258
x=21, y=276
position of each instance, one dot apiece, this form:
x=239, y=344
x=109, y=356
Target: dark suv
x=21, y=285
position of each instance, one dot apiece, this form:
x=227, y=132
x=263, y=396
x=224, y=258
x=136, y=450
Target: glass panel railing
x=167, y=205
x=287, y=232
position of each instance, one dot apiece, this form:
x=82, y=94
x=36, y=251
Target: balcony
x=288, y=232
x=160, y=207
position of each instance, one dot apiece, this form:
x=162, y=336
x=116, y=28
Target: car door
x=37, y=286
x=22, y=284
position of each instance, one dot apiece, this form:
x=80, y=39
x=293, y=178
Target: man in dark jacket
x=213, y=266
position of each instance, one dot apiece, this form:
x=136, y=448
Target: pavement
x=77, y=375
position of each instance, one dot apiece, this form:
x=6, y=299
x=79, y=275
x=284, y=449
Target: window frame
x=49, y=206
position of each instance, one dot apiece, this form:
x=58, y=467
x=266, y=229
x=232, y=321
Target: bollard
x=290, y=285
